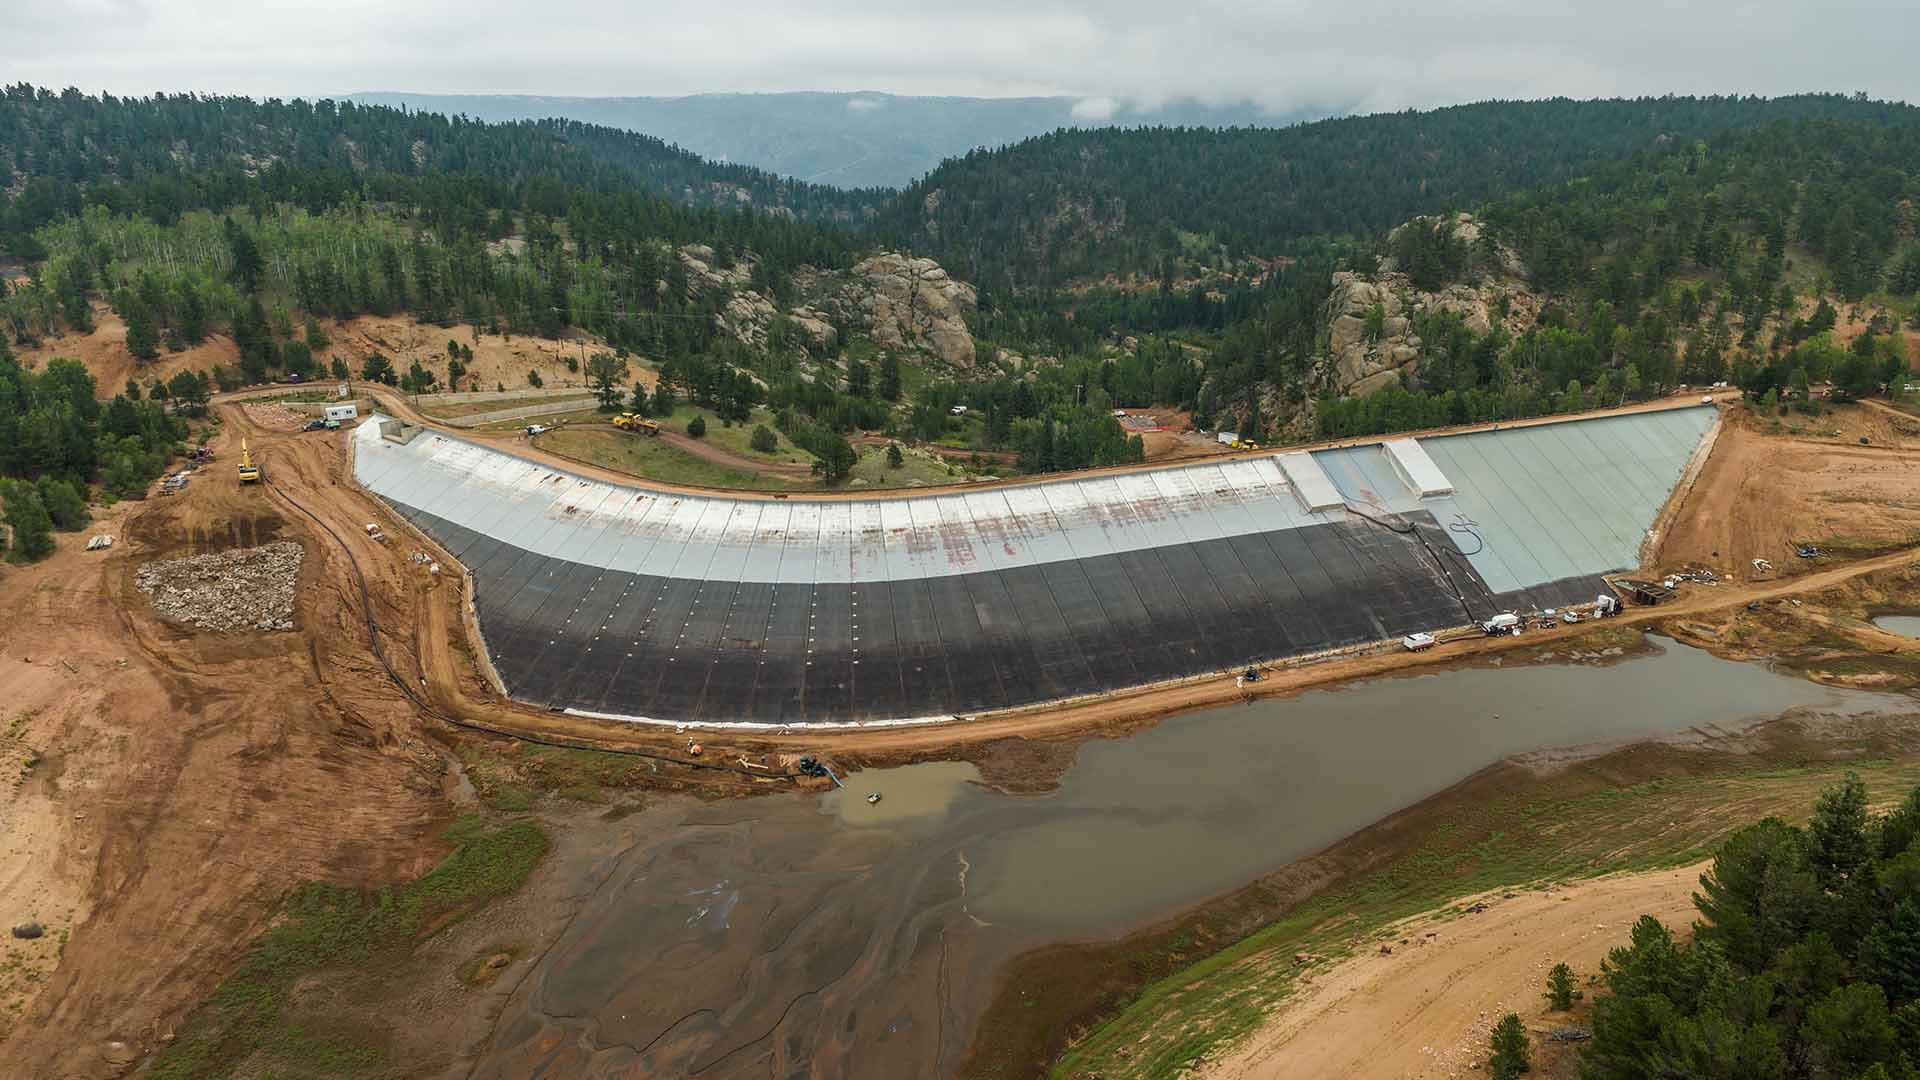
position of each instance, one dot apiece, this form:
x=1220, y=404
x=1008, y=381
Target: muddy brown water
x=826, y=936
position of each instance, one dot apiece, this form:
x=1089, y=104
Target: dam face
x=628, y=601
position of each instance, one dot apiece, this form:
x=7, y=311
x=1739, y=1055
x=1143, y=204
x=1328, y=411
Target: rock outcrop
x=907, y=302
x=747, y=316
x=1370, y=318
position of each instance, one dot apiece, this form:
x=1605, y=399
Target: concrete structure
x=1312, y=487
x=628, y=601
x=1411, y=462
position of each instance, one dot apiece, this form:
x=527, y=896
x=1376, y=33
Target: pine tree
x=64, y=504
x=697, y=426
x=1839, y=831
x=1560, y=993
x=247, y=262
x=1509, y=1049
x=890, y=377
x=143, y=341
x=28, y=518
x=894, y=458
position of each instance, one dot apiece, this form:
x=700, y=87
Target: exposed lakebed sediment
x=826, y=936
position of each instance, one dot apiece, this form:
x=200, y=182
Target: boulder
x=815, y=325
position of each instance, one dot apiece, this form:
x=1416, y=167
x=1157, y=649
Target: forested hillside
x=1075, y=204
x=1617, y=250
x=161, y=155
x=1721, y=260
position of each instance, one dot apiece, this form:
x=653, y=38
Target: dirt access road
x=1425, y=1011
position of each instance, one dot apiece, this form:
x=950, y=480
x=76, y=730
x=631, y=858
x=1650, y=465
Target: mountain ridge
x=848, y=139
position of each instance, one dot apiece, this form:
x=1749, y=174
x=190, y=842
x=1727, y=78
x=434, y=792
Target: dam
x=644, y=603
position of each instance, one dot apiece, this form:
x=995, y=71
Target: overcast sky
x=1285, y=54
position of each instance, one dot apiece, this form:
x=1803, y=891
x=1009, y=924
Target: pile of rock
x=275, y=417
x=244, y=589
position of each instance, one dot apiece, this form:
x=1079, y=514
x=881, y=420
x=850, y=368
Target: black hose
x=373, y=641
x=1365, y=512
x=1467, y=528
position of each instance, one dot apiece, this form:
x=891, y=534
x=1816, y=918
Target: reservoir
x=825, y=935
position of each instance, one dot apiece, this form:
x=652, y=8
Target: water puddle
x=926, y=790
x=1904, y=625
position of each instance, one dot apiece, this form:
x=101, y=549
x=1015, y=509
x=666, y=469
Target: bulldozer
x=636, y=423
x=249, y=472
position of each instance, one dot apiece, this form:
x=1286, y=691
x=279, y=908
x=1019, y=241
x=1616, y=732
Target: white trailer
x=337, y=413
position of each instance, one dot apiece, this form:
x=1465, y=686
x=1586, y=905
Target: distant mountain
x=848, y=140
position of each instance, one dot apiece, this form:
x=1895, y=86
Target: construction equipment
x=1504, y=623
x=249, y=472
x=1420, y=642
x=636, y=423
x=1648, y=593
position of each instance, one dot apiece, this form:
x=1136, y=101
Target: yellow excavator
x=249, y=472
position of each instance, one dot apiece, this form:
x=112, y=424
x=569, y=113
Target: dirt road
x=1426, y=1010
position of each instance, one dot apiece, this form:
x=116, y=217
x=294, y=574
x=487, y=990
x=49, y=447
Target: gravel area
x=245, y=589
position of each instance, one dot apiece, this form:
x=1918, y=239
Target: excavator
x=249, y=472
x=636, y=423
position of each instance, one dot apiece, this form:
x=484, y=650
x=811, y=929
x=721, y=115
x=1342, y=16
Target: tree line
x=57, y=439
x=1805, y=962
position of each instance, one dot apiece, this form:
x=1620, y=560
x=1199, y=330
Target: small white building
x=338, y=413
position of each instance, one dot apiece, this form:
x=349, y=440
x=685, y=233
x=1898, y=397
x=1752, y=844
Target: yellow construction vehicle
x=636, y=423
x=249, y=472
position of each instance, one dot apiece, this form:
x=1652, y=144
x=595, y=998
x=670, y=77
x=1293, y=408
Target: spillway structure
x=625, y=601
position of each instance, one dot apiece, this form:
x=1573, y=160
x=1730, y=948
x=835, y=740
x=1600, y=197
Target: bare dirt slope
x=1426, y=1010
x=498, y=360
x=186, y=781
x=1812, y=481
x=104, y=352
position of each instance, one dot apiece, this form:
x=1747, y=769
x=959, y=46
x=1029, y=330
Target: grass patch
x=1148, y=1004
x=655, y=459
x=332, y=926
x=451, y=410
x=738, y=438
x=915, y=469
x=514, y=779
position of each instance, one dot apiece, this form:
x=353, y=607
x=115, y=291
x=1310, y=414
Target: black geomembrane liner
x=567, y=635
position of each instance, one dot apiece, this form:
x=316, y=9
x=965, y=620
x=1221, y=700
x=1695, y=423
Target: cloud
x=1096, y=109
x=1281, y=54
